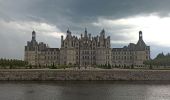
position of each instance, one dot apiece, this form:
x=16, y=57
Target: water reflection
x=87, y=90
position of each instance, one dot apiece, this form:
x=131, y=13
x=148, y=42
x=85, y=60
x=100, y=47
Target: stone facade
x=86, y=51
x=134, y=54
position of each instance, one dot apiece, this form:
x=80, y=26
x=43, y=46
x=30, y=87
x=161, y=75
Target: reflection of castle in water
x=86, y=51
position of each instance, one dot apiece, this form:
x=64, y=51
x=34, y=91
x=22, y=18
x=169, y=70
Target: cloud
x=14, y=35
x=121, y=19
x=153, y=28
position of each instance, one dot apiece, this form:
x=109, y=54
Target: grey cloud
x=76, y=14
x=82, y=11
x=13, y=42
x=79, y=13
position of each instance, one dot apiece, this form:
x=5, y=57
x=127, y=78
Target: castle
x=86, y=51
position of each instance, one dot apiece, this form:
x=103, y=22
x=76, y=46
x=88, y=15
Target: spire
x=85, y=32
x=102, y=33
x=68, y=32
x=33, y=35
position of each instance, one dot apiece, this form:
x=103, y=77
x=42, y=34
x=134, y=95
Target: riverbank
x=69, y=74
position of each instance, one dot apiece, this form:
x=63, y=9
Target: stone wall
x=50, y=74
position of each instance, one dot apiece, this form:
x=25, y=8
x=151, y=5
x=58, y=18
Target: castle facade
x=86, y=51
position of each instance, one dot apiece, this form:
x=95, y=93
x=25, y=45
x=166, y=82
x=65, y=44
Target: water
x=91, y=90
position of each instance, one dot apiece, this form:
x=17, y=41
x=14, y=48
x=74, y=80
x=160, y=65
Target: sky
x=121, y=19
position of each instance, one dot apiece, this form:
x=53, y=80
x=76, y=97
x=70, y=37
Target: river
x=84, y=90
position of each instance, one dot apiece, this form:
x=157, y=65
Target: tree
x=124, y=66
x=150, y=67
x=30, y=66
x=119, y=66
x=109, y=66
x=132, y=66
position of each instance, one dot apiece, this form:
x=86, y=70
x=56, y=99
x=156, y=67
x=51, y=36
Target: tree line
x=12, y=63
x=160, y=60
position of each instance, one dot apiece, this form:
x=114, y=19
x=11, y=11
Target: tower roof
x=33, y=31
x=140, y=44
x=33, y=35
x=103, y=31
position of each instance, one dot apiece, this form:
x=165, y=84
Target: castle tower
x=142, y=51
x=33, y=35
x=102, y=38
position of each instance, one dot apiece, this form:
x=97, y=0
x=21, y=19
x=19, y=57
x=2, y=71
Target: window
x=113, y=57
x=130, y=57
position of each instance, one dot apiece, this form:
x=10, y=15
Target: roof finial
x=140, y=34
x=85, y=30
x=68, y=30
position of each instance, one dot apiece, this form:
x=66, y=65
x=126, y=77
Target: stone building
x=86, y=51
x=134, y=54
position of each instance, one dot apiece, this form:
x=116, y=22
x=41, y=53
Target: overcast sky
x=121, y=19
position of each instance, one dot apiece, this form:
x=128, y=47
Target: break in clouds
x=122, y=19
